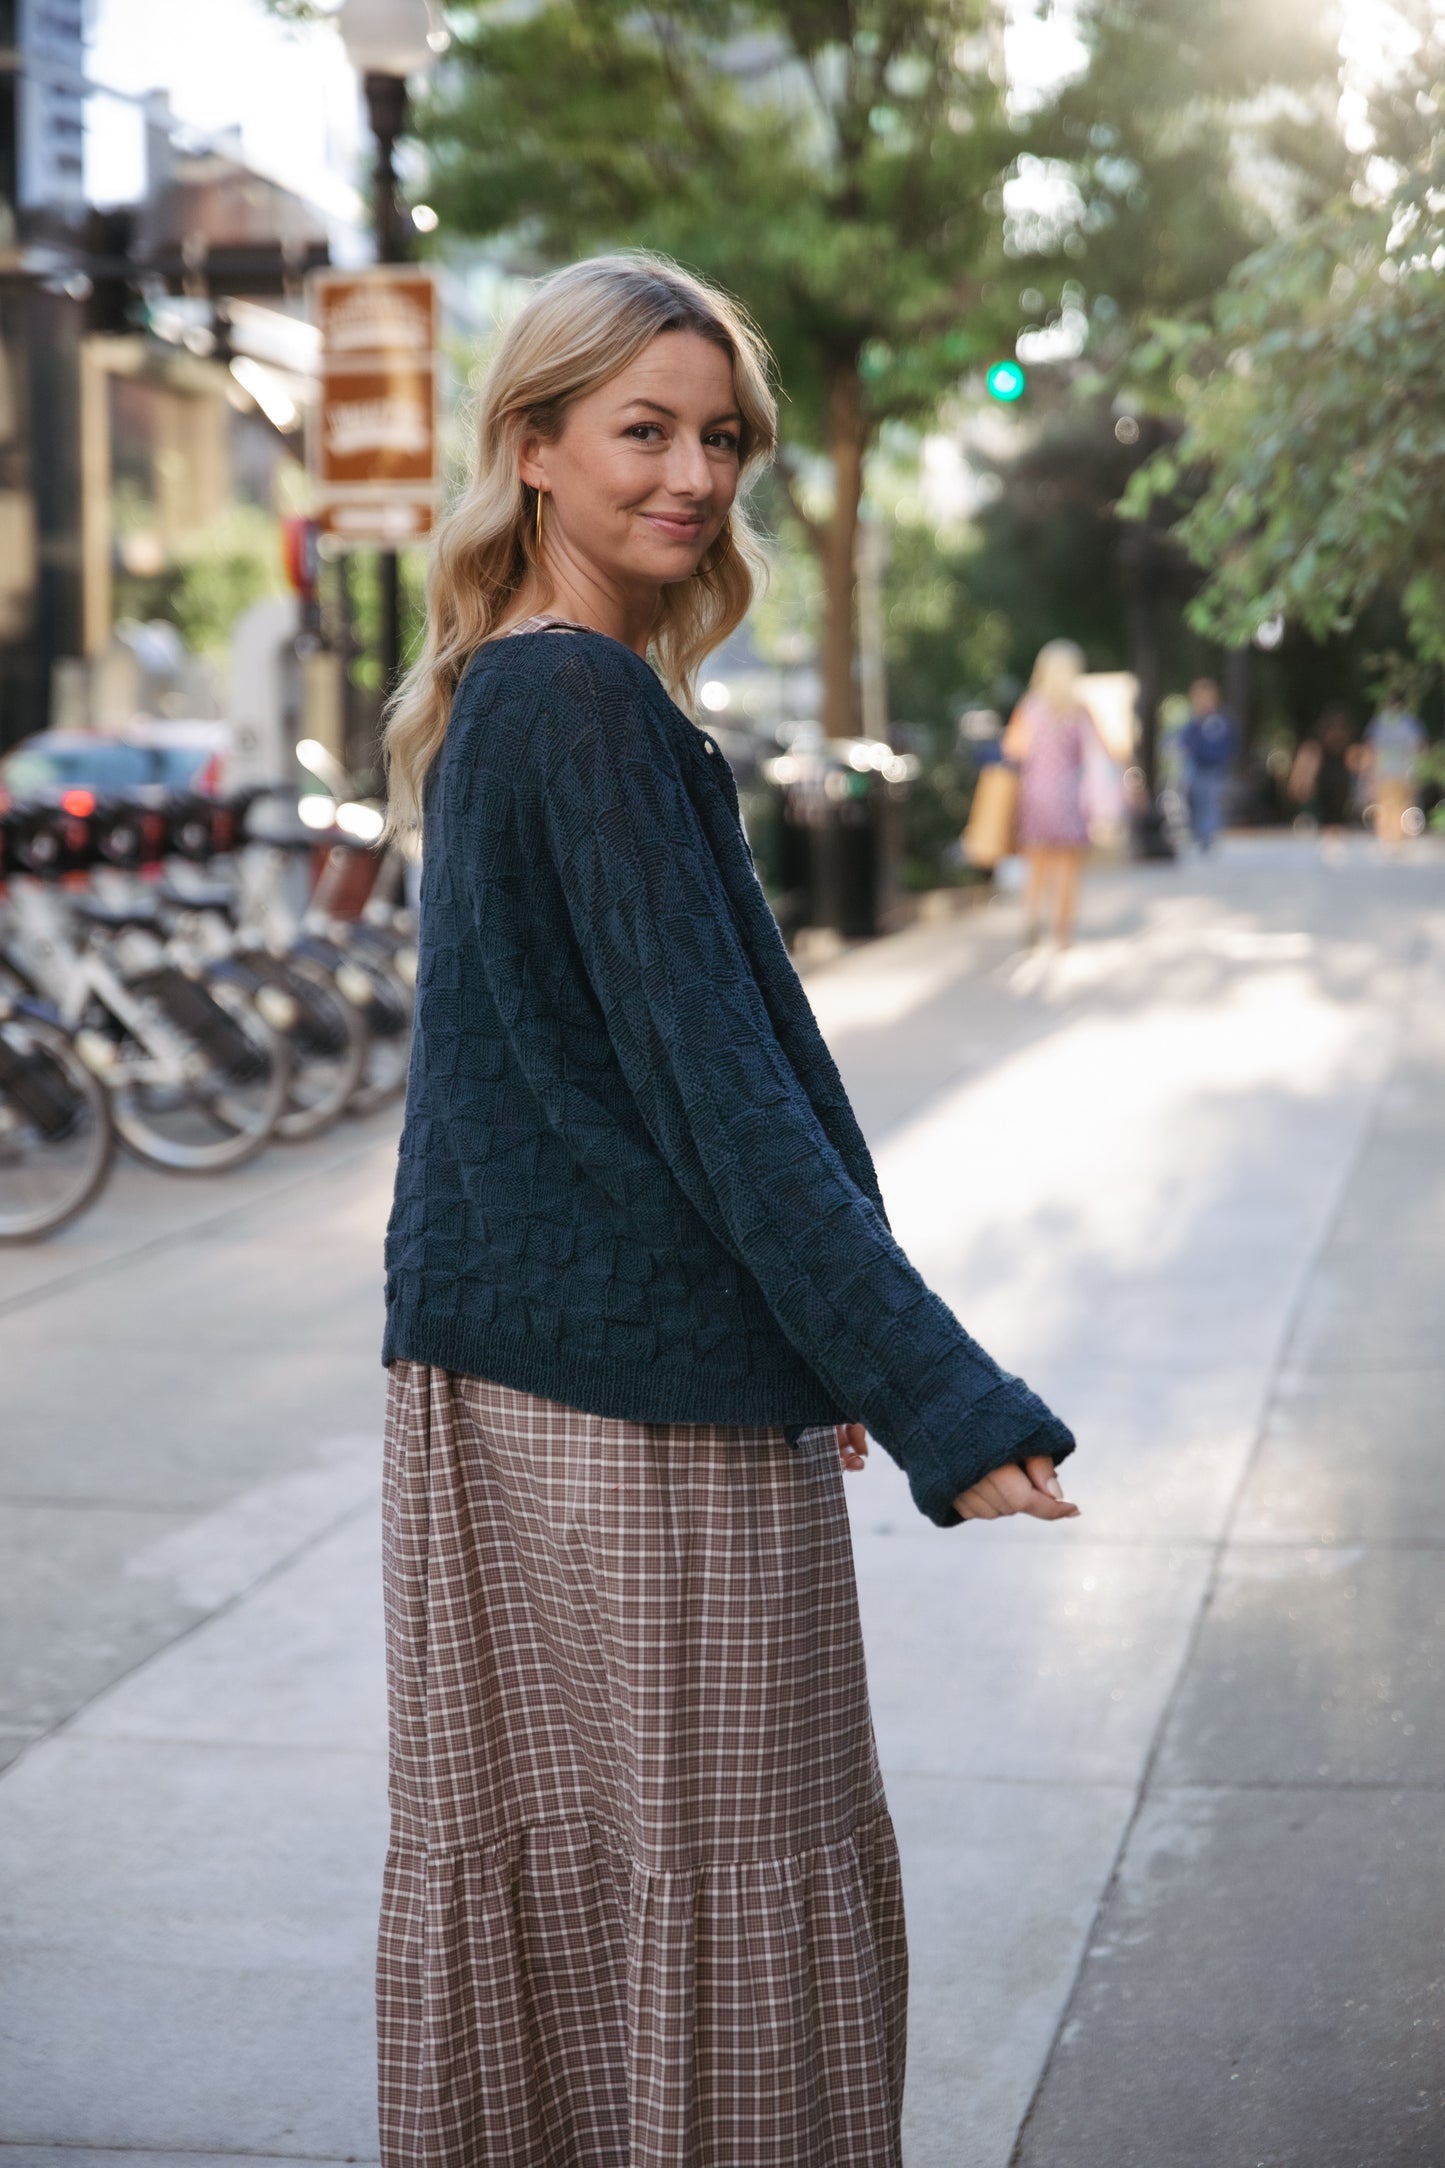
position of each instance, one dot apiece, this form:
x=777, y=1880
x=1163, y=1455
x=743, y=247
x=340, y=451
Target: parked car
x=169, y=756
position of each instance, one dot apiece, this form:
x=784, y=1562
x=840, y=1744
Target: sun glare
x=1375, y=39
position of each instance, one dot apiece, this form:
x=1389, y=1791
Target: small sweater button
x=708, y=744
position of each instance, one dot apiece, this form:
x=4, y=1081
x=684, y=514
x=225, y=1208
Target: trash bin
x=836, y=840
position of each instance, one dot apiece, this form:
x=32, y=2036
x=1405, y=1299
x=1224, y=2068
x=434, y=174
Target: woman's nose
x=688, y=472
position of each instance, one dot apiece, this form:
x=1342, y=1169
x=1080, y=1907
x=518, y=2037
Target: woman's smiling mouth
x=677, y=526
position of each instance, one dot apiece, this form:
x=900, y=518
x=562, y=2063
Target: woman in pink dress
x=1049, y=739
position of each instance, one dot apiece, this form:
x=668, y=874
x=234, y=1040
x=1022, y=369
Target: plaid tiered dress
x=643, y=1906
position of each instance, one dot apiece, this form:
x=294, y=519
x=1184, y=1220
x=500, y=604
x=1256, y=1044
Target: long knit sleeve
x=656, y=926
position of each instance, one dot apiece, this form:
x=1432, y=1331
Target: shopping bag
x=1101, y=789
x=993, y=815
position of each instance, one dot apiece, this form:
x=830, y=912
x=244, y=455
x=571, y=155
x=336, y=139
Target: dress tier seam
x=593, y=1825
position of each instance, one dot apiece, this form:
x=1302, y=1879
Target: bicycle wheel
x=328, y=1043
x=388, y=1016
x=218, y=1095
x=361, y=966
x=56, y=1139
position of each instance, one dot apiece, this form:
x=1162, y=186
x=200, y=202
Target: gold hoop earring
x=539, y=523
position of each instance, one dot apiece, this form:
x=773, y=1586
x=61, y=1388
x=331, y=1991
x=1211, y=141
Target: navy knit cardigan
x=630, y=1179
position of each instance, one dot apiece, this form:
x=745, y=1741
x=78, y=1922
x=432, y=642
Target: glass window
x=104, y=766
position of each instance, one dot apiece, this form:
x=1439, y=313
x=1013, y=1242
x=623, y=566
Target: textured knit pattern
x=643, y=1906
x=630, y=1179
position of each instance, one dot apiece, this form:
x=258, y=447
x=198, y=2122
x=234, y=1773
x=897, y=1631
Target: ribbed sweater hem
x=600, y=1385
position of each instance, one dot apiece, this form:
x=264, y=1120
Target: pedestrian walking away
x=1210, y=742
x=1050, y=738
x=1393, y=745
x=642, y=1904
x=1324, y=773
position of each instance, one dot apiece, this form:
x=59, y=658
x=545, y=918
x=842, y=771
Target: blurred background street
x=1169, y=1802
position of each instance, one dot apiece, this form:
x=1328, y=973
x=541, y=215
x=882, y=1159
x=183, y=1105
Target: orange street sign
x=385, y=521
x=377, y=424
x=389, y=310
x=372, y=435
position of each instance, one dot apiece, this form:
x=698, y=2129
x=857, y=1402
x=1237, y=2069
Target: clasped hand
x=1033, y=1488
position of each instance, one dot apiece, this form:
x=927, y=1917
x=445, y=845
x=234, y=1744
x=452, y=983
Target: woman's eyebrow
x=655, y=406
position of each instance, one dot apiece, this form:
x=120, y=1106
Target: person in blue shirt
x=1393, y=745
x=1210, y=741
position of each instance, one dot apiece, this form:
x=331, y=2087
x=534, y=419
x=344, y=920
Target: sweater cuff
x=1006, y=1428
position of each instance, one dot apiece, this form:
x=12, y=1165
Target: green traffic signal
x=1006, y=381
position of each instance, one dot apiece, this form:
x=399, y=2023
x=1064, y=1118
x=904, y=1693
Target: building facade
x=135, y=409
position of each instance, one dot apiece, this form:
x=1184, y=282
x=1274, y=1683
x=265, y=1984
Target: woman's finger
x=972, y=1507
x=1010, y=1490
x=981, y=1503
x=852, y=1445
x=1039, y=1469
x=1041, y=1507
x=1025, y=1496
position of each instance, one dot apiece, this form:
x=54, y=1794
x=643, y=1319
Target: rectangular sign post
x=372, y=440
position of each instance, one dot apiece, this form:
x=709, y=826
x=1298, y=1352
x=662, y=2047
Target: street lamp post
x=386, y=106
x=386, y=41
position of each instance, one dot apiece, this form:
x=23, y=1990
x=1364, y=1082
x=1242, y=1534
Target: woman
x=642, y=1905
x=1322, y=779
x=1049, y=738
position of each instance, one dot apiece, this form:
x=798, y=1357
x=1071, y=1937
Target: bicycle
x=195, y=1072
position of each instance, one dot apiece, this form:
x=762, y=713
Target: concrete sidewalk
x=1168, y=1779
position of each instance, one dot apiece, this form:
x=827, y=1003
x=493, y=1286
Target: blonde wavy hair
x=1056, y=673
x=579, y=328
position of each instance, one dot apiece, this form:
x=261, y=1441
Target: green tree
x=1314, y=414
x=210, y=579
x=834, y=163
x=1199, y=131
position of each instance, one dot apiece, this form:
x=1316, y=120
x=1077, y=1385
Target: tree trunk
x=847, y=432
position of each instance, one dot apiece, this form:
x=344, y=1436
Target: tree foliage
x=826, y=162
x=210, y=579
x=1194, y=134
x=1314, y=397
x=1200, y=131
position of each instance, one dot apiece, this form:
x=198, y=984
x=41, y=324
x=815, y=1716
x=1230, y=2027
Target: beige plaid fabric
x=642, y=1905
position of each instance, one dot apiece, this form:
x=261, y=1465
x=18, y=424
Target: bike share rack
x=139, y=1002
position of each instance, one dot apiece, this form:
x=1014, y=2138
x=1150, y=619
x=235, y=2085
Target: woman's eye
x=725, y=440
x=645, y=431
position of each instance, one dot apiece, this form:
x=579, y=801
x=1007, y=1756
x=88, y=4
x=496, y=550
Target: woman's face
x=646, y=467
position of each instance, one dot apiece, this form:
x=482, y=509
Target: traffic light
x=1006, y=381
